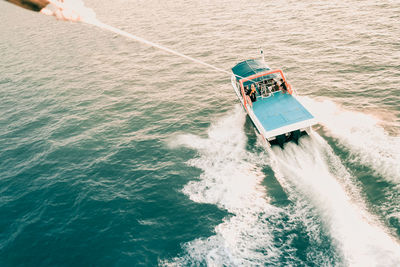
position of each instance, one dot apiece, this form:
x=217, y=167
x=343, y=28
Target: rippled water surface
x=116, y=153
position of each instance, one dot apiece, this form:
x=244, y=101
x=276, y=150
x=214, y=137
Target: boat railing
x=291, y=90
x=248, y=101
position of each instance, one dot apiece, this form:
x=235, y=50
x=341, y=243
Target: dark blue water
x=115, y=153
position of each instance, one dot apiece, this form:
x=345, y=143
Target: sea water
x=113, y=152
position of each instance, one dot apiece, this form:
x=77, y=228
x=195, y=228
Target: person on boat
x=246, y=90
x=283, y=85
x=253, y=93
x=275, y=87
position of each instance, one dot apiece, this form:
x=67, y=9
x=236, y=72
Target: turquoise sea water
x=113, y=153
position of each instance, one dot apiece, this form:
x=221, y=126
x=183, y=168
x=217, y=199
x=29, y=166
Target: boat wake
x=324, y=205
x=257, y=232
x=370, y=145
x=362, y=134
x=232, y=183
x=311, y=170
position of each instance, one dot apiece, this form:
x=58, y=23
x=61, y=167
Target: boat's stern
x=289, y=137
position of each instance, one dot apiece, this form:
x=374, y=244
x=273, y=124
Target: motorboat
x=270, y=102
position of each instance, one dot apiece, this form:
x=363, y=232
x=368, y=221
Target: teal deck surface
x=279, y=110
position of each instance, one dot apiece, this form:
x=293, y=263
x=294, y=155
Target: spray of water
x=368, y=142
x=256, y=233
x=318, y=185
x=306, y=170
x=232, y=183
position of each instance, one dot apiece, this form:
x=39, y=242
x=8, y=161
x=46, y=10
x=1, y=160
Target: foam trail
x=305, y=170
x=232, y=183
x=368, y=142
x=256, y=233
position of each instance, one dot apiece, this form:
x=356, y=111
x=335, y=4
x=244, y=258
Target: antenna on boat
x=262, y=55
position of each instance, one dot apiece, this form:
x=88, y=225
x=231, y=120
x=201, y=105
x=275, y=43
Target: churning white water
x=317, y=183
x=231, y=181
x=307, y=169
x=363, y=135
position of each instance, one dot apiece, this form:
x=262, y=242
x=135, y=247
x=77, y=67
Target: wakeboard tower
x=270, y=102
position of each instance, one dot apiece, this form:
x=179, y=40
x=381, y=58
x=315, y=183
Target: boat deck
x=279, y=110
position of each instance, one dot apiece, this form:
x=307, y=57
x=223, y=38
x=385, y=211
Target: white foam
x=230, y=181
x=257, y=233
x=305, y=170
x=368, y=142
